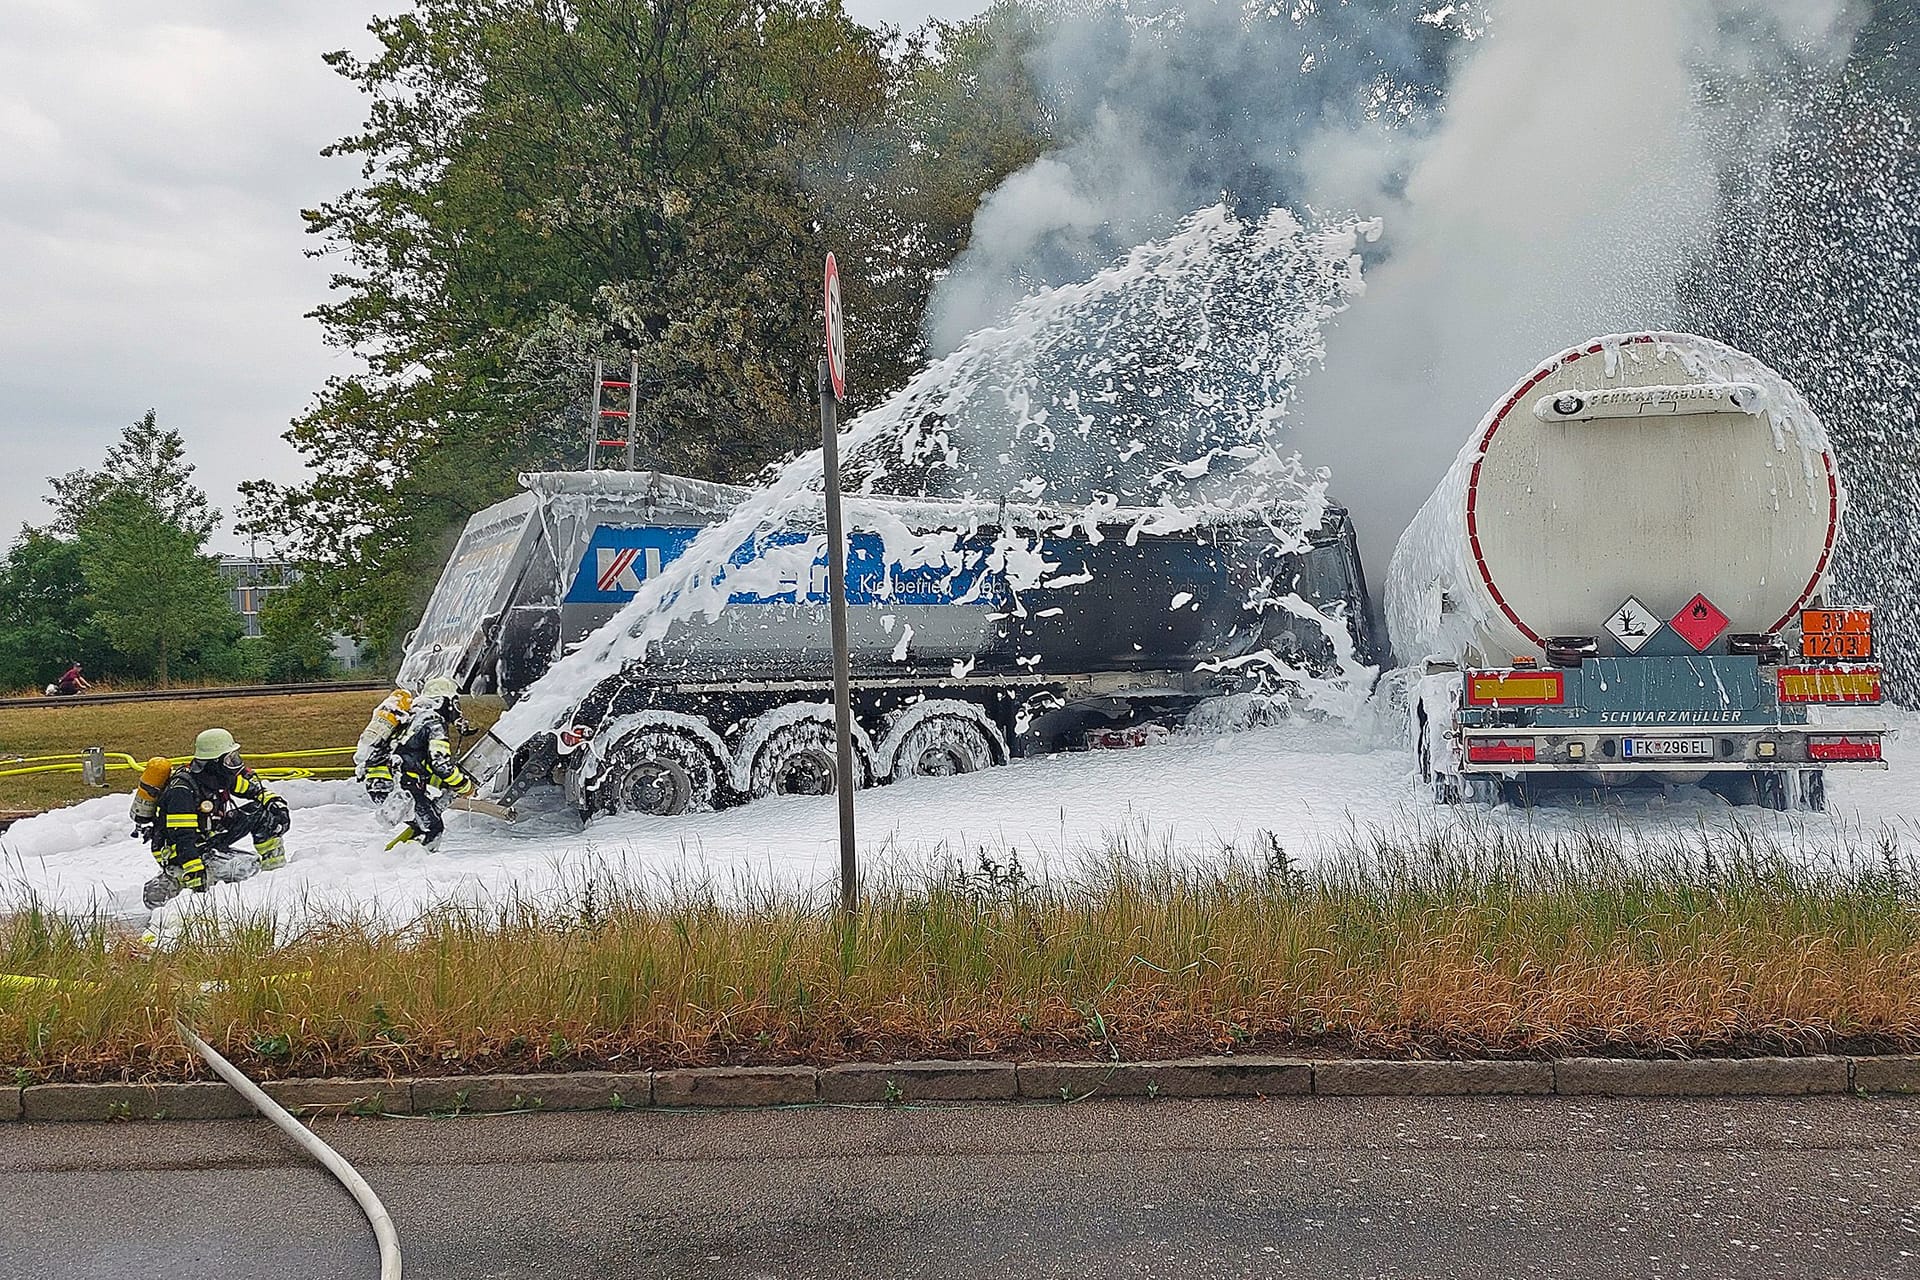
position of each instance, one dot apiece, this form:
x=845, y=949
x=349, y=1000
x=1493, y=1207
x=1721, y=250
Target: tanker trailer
x=1608, y=584
x=1012, y=630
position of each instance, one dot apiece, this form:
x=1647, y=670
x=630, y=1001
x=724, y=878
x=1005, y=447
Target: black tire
x=940, y=747
x=660, y=772
x=1813, y=789
x=1517, y=792
x=1770, y=791
x=801, y=759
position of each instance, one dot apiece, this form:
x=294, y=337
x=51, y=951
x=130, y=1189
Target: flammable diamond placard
x=1632, y=624
x=1699, y=622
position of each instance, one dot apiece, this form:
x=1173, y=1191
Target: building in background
x=249, y=581
x=252, y=579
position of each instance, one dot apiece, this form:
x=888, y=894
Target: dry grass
x=280, y=722
x=1443, y=942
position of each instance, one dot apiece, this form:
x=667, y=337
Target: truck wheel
x=941, y=746
x=1770, y=791
x=1813, y=789
x=801, y=759
x=657, y=772
x=1517, y=792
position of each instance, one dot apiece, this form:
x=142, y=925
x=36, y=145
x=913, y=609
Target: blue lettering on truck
x=618, y=559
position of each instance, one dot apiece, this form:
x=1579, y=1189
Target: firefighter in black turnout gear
x=207, y=807
x=423, y=760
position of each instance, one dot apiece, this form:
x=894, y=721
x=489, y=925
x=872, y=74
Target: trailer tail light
x=1534, y=688
x=1501, y=751
x=1865, y=747
x=1829, y=684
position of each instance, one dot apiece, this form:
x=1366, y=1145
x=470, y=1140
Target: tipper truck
x=1622, y=579
x=1128, y=630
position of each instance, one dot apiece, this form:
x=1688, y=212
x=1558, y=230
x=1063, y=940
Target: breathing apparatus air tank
x=146, y=793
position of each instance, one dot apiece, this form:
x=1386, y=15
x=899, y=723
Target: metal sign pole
x=842, y=664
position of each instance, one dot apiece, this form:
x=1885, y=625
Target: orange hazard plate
x=1844, y=634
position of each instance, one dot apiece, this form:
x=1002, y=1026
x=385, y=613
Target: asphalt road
x=1298, y=1187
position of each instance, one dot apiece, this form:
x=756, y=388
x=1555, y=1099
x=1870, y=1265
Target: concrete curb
x=939, y=1081
x=1226, y=1077
x=1364, y=1077
x=1701, y=1077
x=342, y=1097
x=735, y=1086
x=918, y=1082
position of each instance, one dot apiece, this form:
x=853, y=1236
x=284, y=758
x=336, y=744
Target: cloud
x=152, y=168
x=153, y=164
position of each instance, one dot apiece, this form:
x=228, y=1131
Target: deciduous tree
x=155, y=596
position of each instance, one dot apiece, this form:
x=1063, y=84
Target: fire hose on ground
x=336, y=1164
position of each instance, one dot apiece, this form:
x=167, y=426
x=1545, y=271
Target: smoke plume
x=1577, y=174
x=1168, y=107
x=1547, y=170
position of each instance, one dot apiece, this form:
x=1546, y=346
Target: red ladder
x=604, y=420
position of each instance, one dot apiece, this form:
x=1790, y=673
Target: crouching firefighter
x=423, y=758
x=207, y=807
x=373, y=756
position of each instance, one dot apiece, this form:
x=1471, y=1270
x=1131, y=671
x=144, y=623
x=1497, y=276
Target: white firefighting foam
x=1196, y=797
x=1152, y=397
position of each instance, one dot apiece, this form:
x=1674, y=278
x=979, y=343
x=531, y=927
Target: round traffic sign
x=836, y=333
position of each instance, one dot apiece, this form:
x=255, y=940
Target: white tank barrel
x=1653, y=467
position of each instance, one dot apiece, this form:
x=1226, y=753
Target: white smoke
x=1575, y=176
x=1164, y=105
x=1559, y=179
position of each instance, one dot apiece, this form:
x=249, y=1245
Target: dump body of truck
x=1612, y=583
x=954, y=668
x=533, y=575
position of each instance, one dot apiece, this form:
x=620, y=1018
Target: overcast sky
x=154, y=159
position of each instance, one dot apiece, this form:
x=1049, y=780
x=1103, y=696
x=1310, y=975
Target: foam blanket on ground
x=1308, y=786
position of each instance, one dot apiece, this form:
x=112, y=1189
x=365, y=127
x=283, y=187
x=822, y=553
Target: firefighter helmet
x=213, y=743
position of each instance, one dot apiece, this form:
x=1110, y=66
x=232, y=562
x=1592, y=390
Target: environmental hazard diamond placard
x=1699, y=622
x=1632, y=624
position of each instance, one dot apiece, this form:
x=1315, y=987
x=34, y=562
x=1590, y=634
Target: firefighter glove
x=277, y=819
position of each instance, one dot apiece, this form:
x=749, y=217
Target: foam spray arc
x=1161, y=384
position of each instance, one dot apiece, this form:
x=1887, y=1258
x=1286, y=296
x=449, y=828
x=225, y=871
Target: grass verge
x=1451, y=941
x=278, y=722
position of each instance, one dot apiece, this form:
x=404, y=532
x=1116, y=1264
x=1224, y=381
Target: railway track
x=195, y=695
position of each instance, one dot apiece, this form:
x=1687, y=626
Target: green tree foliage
x=154, y=595
x=900, y=189
x=117, y=580
x=295, y=646
x=147, y=462
x=1817, y=272
x=45, y=621
x=547, y=180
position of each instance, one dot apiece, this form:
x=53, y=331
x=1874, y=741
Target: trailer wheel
x=802, y=759
x=940, y=747
x=1770, y=791
x=658, y=772
x=1517, y=792
x=1813, y=789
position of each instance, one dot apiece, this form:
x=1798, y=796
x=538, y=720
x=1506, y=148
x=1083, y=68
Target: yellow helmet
x=438, y=688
